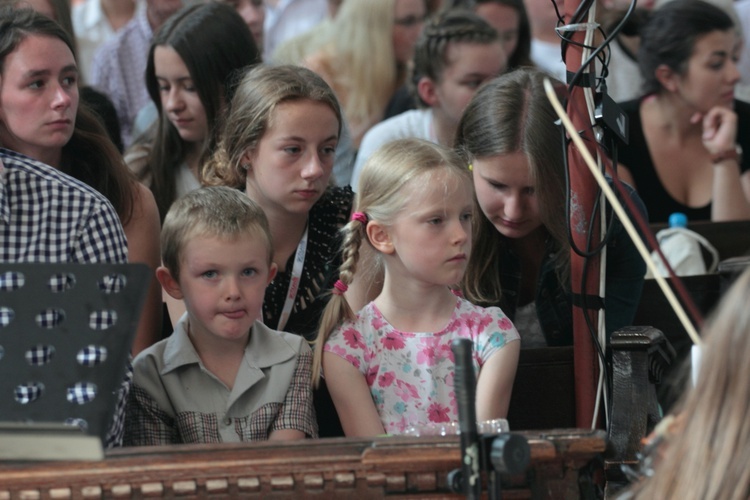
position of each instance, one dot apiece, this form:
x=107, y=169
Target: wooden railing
x=326, y=468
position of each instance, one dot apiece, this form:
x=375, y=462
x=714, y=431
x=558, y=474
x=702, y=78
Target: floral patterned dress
x=410, y=375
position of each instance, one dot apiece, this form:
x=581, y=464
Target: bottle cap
x=678, y=219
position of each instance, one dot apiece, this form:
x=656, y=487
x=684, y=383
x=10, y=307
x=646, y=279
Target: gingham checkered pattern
x=11, y=281
x=47, y=216
x=81, y=392
x=29, y=392
x=92, y=355
x=40, y=355
x=6, y=316
x=102, y=320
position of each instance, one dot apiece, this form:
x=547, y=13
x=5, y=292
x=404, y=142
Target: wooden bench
x=326, y=468
x=732, y=241
x=544, y=390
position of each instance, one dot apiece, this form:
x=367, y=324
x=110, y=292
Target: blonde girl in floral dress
x=390, y=367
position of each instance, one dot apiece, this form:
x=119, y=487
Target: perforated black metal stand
x=53, y=317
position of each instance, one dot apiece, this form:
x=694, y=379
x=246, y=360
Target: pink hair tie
x=339, y=288
x=359, y=216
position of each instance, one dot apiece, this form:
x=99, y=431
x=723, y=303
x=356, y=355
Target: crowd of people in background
x=222, y=143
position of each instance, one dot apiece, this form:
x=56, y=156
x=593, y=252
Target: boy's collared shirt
x=175, y=399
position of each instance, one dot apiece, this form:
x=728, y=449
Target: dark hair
x=670, y=34
x=449, y=26
x=89, y=156
x=105, y=111
x=214, y=42
x=17, y=24
x=522, y=55
x=507, y=115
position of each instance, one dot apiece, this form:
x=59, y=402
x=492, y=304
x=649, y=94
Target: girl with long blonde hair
x=389, y=367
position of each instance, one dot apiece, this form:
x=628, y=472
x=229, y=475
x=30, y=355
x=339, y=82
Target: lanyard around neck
x=291, y=294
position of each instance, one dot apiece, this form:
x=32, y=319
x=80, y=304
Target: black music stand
x=57, y=399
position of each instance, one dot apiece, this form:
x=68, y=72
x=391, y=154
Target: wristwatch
x=729, y=154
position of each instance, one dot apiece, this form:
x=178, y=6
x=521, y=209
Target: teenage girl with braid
x=455, y=54
x=390, y=366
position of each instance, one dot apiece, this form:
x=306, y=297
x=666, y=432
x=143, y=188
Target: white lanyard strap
x=291, y=295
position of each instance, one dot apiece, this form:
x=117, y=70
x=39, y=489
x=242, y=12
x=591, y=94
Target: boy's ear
x=667, y=77
x=272, y=269
x=170, y=285
x=427, y=91
x=379, y=237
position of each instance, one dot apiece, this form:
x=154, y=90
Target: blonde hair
x=381, y=196
x=708, y=457
x=252, y=106
x=216, y=211
x=360, y=56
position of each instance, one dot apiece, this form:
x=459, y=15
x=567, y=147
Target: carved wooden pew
x=326, y=468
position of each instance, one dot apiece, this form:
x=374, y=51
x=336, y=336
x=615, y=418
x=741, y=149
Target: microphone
x=465, y=387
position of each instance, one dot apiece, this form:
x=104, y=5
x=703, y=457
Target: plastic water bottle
x=682, y=248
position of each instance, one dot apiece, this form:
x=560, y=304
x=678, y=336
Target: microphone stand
x=470, y=478
x=503, y=453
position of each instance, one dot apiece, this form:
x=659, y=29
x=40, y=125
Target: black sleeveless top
x=637, y=158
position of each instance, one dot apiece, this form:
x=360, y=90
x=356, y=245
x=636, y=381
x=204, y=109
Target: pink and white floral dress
x=410, y=375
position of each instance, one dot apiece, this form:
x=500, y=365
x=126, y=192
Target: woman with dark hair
x=520, y=257
x=511, y=21
x=191, y=59
x=687, y=132
x=98, y=103
x=40, y=117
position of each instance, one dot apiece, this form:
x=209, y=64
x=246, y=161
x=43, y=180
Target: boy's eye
x=36, y=84
x=209, y=274
x=435, y=221
x=249, y=272
x=329, y=150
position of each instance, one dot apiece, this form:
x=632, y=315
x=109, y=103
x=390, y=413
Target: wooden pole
x=583, y=189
